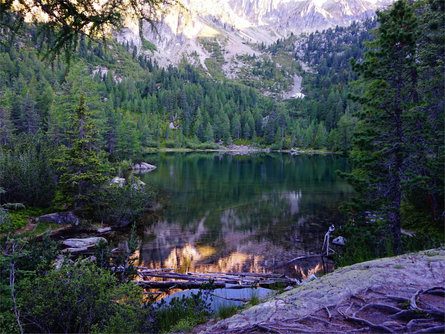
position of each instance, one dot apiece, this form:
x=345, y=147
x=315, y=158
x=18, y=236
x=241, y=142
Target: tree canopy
x=64, y=22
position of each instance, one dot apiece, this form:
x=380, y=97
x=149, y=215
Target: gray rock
x=59, y=218
x=341, y=241
x=118, y=180
x=82, y=243
x=143, y=167
x=61, y=260
x=103, y=230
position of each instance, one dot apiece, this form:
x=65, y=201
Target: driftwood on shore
x=210, y=280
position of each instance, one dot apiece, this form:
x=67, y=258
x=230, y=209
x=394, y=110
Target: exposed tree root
x=371, y=311
x=379, y=328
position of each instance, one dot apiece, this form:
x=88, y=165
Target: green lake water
x=232, y=213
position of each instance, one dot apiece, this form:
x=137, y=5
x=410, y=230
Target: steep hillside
x=239, y=25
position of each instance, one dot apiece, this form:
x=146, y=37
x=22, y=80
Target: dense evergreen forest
x=68, y=125
x=136, y=104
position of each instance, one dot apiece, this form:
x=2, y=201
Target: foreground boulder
x=83, y=242
x=143, y=167
x=59, y=218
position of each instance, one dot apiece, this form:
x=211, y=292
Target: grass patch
x=255, y=300
x=44, y=227
x=226, y=311
x=181, y=313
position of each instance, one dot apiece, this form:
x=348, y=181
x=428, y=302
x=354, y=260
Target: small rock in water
x=144, y=167
x=104, y=229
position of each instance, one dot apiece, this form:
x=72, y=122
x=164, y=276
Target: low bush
x=80, y=298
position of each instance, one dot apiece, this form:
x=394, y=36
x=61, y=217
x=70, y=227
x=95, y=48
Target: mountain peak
x=237, y=23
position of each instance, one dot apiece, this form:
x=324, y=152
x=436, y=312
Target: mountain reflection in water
x=251, y=213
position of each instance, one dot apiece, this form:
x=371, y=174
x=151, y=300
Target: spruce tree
x=80, y=169
x=389, y=76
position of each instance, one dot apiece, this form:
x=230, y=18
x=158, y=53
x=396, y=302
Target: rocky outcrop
x=59, y=218
x=237, y=23
x=399, y=294
x=143, y=167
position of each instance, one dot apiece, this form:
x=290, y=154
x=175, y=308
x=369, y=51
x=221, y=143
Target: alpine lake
x=232, y=212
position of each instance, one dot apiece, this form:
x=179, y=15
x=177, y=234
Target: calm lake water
x=233, y=213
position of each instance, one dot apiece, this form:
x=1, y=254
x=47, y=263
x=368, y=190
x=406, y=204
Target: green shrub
x=80, y=298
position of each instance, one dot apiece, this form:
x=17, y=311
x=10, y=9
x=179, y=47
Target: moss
x=20, y=218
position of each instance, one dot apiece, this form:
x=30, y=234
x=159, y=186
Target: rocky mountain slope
x=238, y=26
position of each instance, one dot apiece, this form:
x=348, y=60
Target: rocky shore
x=393, y=295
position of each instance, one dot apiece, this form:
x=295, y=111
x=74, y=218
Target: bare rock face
x=236, y=23
x=399, y=294
x=59, y=218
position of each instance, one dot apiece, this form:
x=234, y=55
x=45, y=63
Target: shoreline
x=240, y=149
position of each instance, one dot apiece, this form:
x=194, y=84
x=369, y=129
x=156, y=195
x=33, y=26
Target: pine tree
x=390, y=82
x=81, y=171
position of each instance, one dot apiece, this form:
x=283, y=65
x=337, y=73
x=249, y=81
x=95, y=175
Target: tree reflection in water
x=241, y=213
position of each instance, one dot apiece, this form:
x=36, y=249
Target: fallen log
x=178, y=284
x=145, y=269
x=190, y=278
x=214, y=284
x=249, y=274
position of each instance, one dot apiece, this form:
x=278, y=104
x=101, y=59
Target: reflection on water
x=241, y=213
